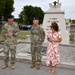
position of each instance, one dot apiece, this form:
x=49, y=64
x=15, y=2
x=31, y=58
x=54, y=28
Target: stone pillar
x=55, y=14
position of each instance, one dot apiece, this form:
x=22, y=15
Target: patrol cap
x=35, y=18
x=10, y=16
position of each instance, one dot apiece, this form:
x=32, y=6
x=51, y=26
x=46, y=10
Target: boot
x=38, y=66
x=12, y=66
x=33, y=65
x=4, y=66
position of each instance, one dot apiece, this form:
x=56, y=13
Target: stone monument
x=55, y=14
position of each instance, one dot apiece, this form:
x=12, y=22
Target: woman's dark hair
x=55, y=26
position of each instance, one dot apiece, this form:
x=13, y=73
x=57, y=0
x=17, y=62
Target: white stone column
x=55, y=14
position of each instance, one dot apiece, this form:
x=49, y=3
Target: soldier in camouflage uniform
x=9, y=32
x=37, y=38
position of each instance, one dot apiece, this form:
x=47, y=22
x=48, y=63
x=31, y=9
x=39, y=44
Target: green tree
x=29, y=12
x=23, y=18
x=73, y=21
x=2, y=7
x=6, y=8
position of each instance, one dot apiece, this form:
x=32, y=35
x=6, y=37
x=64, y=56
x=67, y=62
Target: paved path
x=24, y=69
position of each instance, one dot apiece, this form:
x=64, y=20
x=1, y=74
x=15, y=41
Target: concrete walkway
x=24, y=69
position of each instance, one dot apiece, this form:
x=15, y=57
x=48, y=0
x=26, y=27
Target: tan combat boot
x=38, y=66
x=4, y=66
x=33, y=65
x=12, y=66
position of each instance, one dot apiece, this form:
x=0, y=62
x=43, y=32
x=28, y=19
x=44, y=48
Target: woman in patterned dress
x=53, y=52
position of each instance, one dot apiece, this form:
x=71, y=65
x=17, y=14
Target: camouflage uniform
x=10, y=42
x=37, y=38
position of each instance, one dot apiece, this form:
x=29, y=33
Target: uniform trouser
x=12, y=50
x=36, y=54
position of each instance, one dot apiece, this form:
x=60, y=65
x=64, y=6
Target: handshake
x=9, y=34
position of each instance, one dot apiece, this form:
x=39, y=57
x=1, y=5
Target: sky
x=67, y=5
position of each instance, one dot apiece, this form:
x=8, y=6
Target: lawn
x=71, y=37
x=72, y=29
x=1, y=38
x=23, y=34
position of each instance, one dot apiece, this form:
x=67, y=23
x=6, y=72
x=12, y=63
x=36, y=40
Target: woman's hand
x=58, y=40
x=51, y=40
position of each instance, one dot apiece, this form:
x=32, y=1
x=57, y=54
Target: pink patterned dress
x=53, y=51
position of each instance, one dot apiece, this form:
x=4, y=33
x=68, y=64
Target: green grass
x=23, y=34
x=72, y=29
x=71, y=37
x=1, y=38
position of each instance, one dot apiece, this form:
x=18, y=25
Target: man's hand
x=10, y=34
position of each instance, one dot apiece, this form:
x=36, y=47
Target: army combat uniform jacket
x=10, y=28
x=37, y=35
